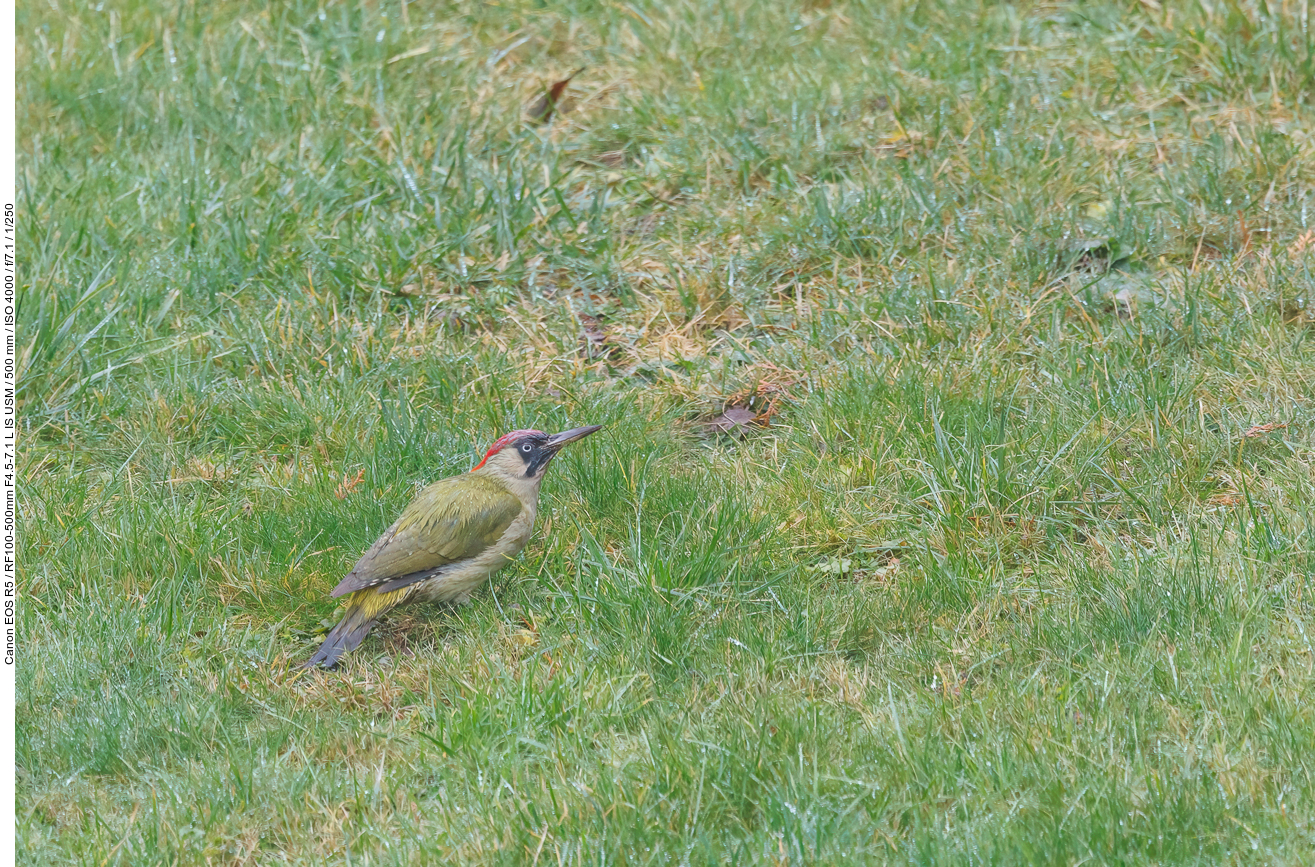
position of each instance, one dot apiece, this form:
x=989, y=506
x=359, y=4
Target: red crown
x=504, y=440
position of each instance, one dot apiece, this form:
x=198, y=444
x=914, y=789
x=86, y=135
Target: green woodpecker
x=452, y=537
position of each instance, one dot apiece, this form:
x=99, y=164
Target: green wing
x=451, y=520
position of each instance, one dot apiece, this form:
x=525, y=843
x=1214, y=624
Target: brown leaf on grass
x=544, y=106
x=755, y=405
x=1260, y=430
x=596, y=343
x=346, y=486
x=769, y=393
x=1304, y=243
x=734, y=419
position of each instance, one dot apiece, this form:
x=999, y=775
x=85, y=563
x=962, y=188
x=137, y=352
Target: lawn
x=1014, y=563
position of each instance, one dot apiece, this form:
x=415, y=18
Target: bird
x=450, y=539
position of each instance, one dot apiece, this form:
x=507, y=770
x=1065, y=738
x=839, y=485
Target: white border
x=8, y=434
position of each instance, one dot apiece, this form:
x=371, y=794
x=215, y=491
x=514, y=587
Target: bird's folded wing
x=451, y=520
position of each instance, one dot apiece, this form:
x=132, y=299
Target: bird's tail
x=364, y=609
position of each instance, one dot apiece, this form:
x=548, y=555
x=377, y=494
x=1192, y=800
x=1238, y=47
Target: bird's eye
x=527, y=448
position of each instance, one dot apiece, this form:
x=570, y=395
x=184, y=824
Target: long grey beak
x=556, y=441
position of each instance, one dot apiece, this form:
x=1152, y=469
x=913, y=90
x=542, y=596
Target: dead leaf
x=1304, y=243
x=755, y=405
x=346, y=486
x=732, y=420
x=886, y=572
x=1262, y=429
x=767, y=395
x=596, y=343
x=593, y=329
x=543, y=108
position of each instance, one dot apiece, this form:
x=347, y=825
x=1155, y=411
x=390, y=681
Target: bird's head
x=525, y=454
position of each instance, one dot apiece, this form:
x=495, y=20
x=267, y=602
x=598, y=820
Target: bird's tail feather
x=364, y=610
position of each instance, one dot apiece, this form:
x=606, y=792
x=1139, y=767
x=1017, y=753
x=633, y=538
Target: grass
x=1022, y=570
